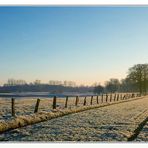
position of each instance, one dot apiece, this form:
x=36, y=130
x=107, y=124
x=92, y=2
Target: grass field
x=25, y=106
x=111, y=123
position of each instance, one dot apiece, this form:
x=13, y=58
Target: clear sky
x=82, y=44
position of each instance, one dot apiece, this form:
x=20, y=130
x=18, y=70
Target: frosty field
x=111, y=123
x=25, y=106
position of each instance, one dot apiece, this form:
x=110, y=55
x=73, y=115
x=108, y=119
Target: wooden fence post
x=77, y=100
x=37, y=106
x=66, y=102
x=102, y=99
x=133, y=95
x=13, y=107
x=106, y=97
x=91, y=102
x=110, y=97
x=84, y=101
x=97, y=99
x=115, y=97
x=54, y=102
x=123, y=97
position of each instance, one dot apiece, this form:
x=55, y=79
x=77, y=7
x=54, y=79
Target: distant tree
x=13, y=82
x=37, y=82
x=112, y=85
x=98, y=89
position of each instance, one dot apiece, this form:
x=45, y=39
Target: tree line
x=53, y=89
x=135, y=81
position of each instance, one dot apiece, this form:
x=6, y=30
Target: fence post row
x=37, y=106
x=54, y=102
x=66, y=102
x=13, y=107
x=116, y=96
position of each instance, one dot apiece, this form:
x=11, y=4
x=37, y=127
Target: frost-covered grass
x=110, y=123
x=29, y=118
x=25, y=106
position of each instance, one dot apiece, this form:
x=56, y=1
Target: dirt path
x=111, y=123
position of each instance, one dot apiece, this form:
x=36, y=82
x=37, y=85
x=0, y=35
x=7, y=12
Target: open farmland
x=110, y=123
x=26, y=105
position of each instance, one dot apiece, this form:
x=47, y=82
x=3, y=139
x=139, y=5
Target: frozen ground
x=25, y=106
x=110, y=123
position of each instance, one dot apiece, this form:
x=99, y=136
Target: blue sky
x=83, y=44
